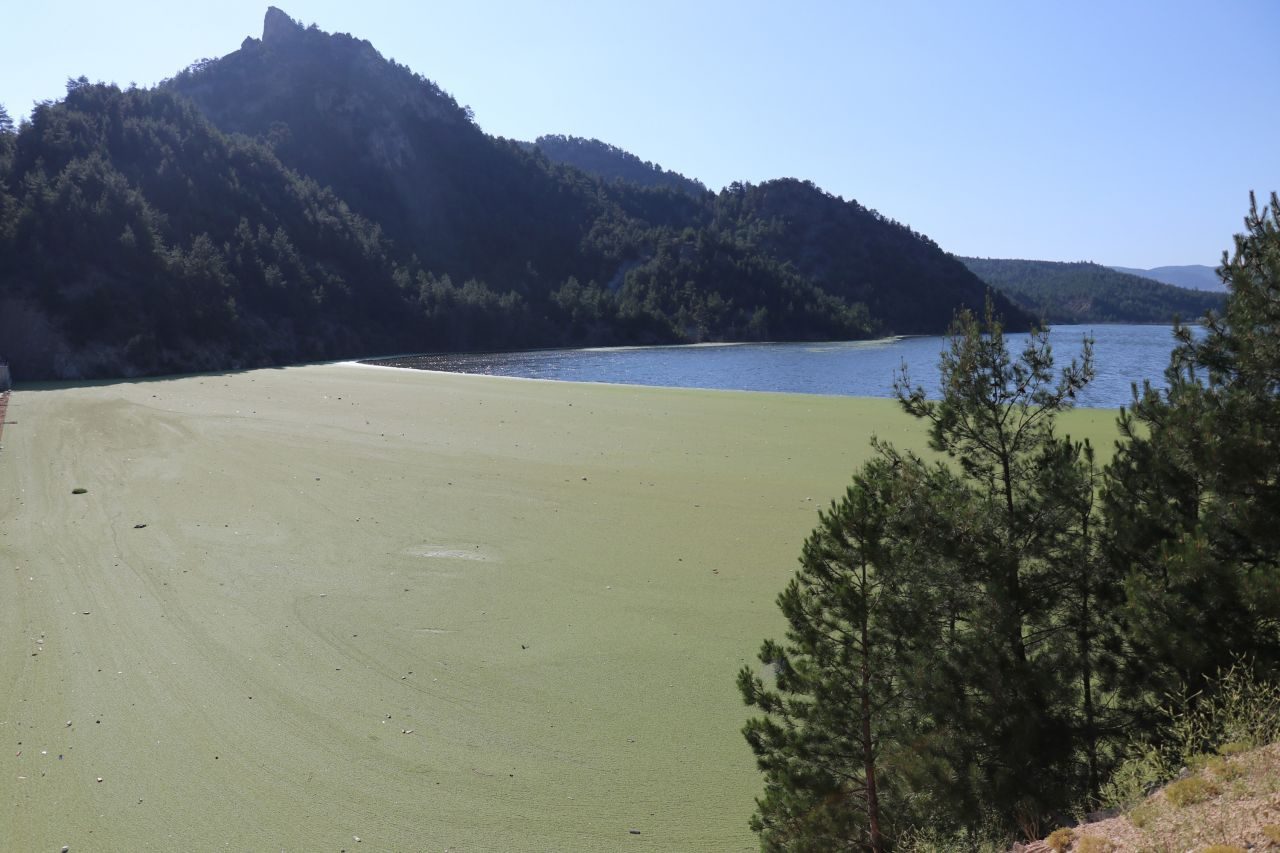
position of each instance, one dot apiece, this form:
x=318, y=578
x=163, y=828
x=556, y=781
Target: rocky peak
x=278, y=26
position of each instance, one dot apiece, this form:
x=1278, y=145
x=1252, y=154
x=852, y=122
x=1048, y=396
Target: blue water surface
x=1123, y=355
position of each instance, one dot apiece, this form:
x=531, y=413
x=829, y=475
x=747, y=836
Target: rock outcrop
x=278, y=26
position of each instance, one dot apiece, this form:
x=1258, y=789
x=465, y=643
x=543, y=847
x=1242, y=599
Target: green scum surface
x=426, y=610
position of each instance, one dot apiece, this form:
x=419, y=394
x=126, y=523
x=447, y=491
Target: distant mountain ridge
x=1192, y=276
x=305, y=198
x=1085, y=292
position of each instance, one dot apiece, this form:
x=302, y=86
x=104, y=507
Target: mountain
x=906, y=281
x=1090, y=293
x=1192, y=276
x=305, y=198
x=612, y=163
x=396, y=148
x=138, y=239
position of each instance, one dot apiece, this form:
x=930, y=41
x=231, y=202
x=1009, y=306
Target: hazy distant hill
x=612, y=163
x=305, y=198
x=1090, y=293
x=1193, y=276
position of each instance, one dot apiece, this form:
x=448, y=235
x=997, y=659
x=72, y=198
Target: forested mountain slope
x=305, y=198
x=138, y=239
x=612, y=163
x=1090, y=293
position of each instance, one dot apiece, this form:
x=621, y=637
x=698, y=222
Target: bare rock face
x=278, y=26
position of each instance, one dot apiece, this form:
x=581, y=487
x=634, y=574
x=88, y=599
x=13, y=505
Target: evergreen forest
x=612, y=163
x=1083, y=292
x=304, y=198
x=991, y=641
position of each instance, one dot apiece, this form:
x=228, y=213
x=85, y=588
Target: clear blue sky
x=1120, y=132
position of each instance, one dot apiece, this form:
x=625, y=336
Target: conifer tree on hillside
x=997, y=628
x=949, y=624
x=8, y=137
x=836, y=697
x=1014, y=680
x=1193, y=494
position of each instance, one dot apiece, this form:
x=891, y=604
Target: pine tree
x=1193, y=493
x=8, y=140
x=1086, y=633
x=834, y=698
x=1018, y=551
x=948, y=623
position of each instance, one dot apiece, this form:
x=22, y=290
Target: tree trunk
x=868, y=751
x=1013, y=581
x=1086, y=662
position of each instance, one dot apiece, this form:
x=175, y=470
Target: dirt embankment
x=1230, y=804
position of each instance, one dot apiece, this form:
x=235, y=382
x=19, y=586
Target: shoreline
x=602, y=383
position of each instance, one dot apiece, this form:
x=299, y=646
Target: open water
x=1123, y=355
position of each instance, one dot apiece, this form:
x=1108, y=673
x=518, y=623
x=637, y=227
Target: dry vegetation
x=1231, y=803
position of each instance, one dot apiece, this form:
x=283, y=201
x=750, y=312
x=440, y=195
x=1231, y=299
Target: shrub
x=1143, y=814
x=1137, y=776
x=1236, y=713
x=919, y=839
x=1188, y=792
x=1060, y=839
x=1224, y=769
x=1094, y=844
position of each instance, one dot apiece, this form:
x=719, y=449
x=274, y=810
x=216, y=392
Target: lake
x=1123, y=354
